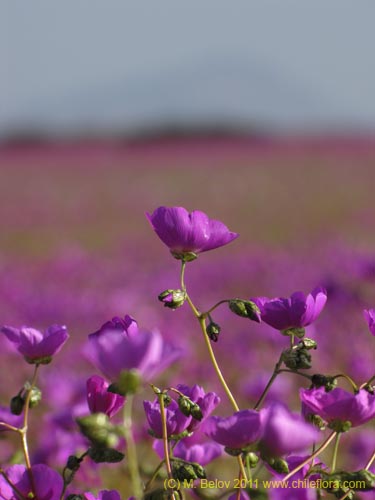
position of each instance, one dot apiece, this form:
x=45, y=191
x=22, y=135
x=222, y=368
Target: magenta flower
x=285, y=432
x=100, y=400
x=237, y=431
x=48, y=483
x=177, y=422
x=36, y=347
x=297, y=311
x=369, y=315
x=114, y=349
x=339, y=405
x=185, y=232
x=103, y=495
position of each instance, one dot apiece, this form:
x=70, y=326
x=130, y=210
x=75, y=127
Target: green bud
x=253, y=459
x=172, y=298
x=35, y=397
x=73, y=496
x=98, y=429
x=16, y=405
x=308, y=343
x=185, y=405
x=297, y=332
x=167, y=399
x=105, y=455
x=278, y=464
x=245, y=309
x=297, y=358
x=128, y=383
x=187, y=470
x=185, y=256
x=196, y=412
x=213, y=330
x=339, y=425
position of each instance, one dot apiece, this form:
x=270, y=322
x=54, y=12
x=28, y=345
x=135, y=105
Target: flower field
x=202, y=401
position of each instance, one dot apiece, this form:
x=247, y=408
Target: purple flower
x=177, y=422
x=185, y=232
x=201, y=453
x=113, y=350
x=369, y=315
x=36, y=347
x=339, y=405
x=100, y=400
x=285, y=432
x=297, y=311
x=237, y=431
x=48, y=483
x=126, y=324
x=206, y=402
x=103, y=495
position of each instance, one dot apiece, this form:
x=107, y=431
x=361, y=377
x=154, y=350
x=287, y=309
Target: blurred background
x=261, y=114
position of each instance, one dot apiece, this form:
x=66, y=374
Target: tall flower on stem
x=189, y=233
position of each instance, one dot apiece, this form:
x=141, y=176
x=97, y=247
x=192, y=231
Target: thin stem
x=155, y=473
x=224, y=301
x=131, y=449
x=26, y=418
x=349, y=379
x=369, y=463
x=10, y=427
x=321, y=448
x=284, y=370
x=335, y=450
x=368, y=382
x=269, y=384
x=165, y=439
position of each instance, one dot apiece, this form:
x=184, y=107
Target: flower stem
x=165, y=439
x=269, y=384
x=131, y=449
x=321, y=448
x=335, y=450
x=350, y=380
x=14, y=487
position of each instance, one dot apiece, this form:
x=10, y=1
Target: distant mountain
x=217, y=93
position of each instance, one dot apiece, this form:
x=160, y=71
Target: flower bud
x=279, y=465
x=172, y=298
x=97, y=428
x=105, y=455
x=35, y=397
x=187, y=470
x=308, y=343
x=297, y=358
x=245, y=309
x=73, y=463
x=196, y=412
x=74, y=496
x=128, y=383
x=213, y=330
x=185, y=405
x=16, y=405
x=253, y=459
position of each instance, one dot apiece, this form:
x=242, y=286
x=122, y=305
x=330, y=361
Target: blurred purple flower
x=113, y=350
x=297, y=311
x=36, y=347
x=100, y=400
x=201, y=453
x=207, y=402
x=48, y=483
x=369, y=315
x=237, y=431
x=177, y=422
x=339, y=404
x=7, y=417
x=285, y=432
x=185, y=232
x=126, y=324
x=103, y=495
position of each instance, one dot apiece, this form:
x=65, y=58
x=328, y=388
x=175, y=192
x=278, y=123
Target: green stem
x=224, y=301
x=165, y=439
x=350, y=380
x=335, y=450
x=321, y=448
x=284, y=370
x=269, y=384
x=155, y=473
x=368, y=382
x=369, y=463
x=131, y=449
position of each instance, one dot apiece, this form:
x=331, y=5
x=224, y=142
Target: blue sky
x=53, y=51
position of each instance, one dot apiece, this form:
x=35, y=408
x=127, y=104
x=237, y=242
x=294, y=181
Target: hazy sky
x=50, y=49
